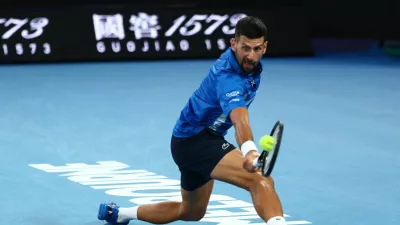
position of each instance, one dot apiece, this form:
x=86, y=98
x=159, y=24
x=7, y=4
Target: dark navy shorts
x=197, y=156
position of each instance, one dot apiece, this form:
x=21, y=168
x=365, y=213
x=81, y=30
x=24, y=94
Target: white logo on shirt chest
x=232, y=94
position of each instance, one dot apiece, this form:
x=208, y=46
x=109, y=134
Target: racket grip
x=255, y=162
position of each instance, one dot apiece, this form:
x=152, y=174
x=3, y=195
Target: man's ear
x=265, y=46
x=233, y=44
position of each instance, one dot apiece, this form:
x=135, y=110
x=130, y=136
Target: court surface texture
x=75, y=135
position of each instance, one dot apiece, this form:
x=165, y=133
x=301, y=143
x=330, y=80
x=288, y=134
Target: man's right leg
x=192, y=208
x=196, y=188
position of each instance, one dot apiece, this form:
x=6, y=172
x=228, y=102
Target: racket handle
x=255, y=162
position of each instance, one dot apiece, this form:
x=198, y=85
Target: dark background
x=295, y=28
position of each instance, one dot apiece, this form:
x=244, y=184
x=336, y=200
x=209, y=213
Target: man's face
x=249, y=52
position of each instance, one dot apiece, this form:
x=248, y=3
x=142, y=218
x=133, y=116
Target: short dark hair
x=250, y=27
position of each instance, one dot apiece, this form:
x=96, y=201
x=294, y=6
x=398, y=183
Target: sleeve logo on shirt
x=232, y=94
x=234, y=100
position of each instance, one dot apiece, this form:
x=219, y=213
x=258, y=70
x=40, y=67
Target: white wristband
x=248, y=146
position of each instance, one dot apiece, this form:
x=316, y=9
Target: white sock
x=277, y=220
x=127, y=214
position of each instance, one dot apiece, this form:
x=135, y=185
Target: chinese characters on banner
x=142, y=32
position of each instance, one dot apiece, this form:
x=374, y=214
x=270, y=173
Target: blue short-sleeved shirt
x=224, y=88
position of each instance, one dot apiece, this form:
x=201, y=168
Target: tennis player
x=199, y=148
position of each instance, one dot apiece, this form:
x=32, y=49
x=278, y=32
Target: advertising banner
x=127, y=33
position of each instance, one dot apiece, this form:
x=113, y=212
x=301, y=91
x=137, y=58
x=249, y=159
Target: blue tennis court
x=73, y=135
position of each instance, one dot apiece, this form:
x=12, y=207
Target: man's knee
x=261, y=182
x=193, y=213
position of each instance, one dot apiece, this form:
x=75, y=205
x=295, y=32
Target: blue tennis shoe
x=109, y=212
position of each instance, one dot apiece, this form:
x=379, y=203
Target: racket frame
x=262, y=159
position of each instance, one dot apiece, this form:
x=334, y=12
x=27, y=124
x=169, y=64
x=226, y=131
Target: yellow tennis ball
x=267, y=142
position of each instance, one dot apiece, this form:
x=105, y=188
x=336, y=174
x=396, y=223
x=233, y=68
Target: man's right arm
x=231, y=96
x=244, y=136
x=240, y=120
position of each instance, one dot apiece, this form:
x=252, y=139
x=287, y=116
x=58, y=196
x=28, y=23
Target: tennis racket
x=266, y=160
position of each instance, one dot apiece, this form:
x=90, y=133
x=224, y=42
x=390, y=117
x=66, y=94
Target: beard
x=248, y=65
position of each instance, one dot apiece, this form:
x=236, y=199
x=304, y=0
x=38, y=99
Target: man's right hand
x=248, y=161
